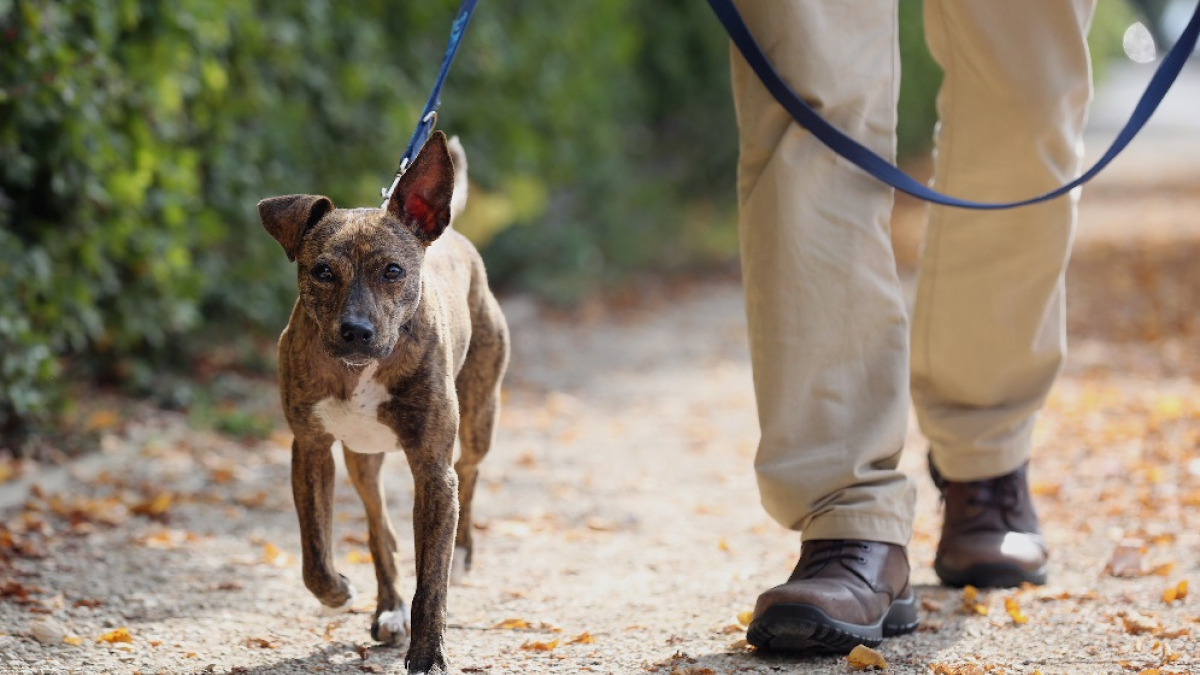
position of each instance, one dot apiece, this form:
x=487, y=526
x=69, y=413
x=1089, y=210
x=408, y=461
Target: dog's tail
x=458, y=156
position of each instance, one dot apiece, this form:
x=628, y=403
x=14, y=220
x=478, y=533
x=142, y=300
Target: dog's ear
x=422, y=198
x=288, y=218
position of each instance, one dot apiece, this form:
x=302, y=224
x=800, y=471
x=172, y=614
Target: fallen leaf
x=744, y=618
x=1163, y=569
x=1177, y=592
x=742, y=645
x=532, y=646
x=47, y=631
x=512, y=624
x=1136, y=624
x=584, y=638
x=972, y=602
x=73, y=640
x=153, y=507
x=260, y=643
x=865, y=658
x=930, y=605
x=273, y=555
x=1127, y=559
x=1014, y=610
x=113, y=636
x=357, y=557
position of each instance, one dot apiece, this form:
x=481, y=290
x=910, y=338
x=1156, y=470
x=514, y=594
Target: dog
x=396, y=344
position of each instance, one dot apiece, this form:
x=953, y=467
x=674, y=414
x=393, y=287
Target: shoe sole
x=804, y=628
x=989, y=575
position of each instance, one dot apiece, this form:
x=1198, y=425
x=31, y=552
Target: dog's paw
x=392, y=627
x=458, y=568
x=434, y=664
x=326, y=610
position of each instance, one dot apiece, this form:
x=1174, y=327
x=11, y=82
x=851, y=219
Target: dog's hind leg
x=478, y=386
x=392, y=622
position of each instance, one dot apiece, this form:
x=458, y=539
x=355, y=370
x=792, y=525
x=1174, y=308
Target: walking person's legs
x=988, y=335
x=827, y=322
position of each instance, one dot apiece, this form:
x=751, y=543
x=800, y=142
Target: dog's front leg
x=435, y=518
x=391, y=624
x=312, y=489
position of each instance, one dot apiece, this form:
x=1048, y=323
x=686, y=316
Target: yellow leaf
x=6, y=471
x=539, y=646
x=583, y=638
x=273, y=555
x=153, y=507
x=1177, y=592
x=1014, y=611
x=972, y=602
x=745, y=618
x=73, y=640
x=864, y=658
x=512, y=624
x=722, y=545
x=357, y=557
x=119, y=635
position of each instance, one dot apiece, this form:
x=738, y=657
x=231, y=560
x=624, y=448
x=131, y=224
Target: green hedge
x=136, y=137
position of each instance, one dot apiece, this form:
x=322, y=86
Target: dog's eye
x=322, y=273
x=393, y=272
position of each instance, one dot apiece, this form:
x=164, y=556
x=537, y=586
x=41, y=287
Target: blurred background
x=137, y=136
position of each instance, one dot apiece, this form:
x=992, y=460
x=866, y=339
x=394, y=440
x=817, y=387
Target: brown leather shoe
x=841, y=594
x=990, y=535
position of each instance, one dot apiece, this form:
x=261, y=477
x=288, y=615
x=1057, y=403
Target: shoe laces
x=824, y=551
x=1001, y=494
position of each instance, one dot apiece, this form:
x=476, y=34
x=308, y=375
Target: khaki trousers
x=829, y=331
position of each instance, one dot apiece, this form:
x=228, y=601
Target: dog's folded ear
x=288, y=218
x=422, y=198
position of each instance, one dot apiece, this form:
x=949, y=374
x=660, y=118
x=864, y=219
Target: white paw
x=394, y=626
x=326, y=610
x=458, y=568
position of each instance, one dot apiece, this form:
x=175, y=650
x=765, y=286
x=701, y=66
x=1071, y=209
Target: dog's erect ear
x=288, y=218
x=422, y=198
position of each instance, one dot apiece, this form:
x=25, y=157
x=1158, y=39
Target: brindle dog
x=395, y=344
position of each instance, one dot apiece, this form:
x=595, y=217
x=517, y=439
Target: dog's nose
x=357, y=331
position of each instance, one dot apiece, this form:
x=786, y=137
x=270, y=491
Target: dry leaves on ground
x=865, y=658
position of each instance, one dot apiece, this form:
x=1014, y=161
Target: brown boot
x=841, y=594
x=990, y=535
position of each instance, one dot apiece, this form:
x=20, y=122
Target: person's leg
x=988, y=335
x=827, y=322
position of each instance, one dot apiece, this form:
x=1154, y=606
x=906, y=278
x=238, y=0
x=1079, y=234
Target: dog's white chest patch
x=355, y=421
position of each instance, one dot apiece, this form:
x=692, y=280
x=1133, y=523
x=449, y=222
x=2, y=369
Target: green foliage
x=136, y=137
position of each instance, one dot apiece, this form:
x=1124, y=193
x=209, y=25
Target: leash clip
x=424, y=127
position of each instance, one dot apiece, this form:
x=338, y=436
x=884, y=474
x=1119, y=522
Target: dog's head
x=359, y=270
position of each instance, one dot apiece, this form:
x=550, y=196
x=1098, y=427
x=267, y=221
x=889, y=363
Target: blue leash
x=429, y=114
x=873, y=164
